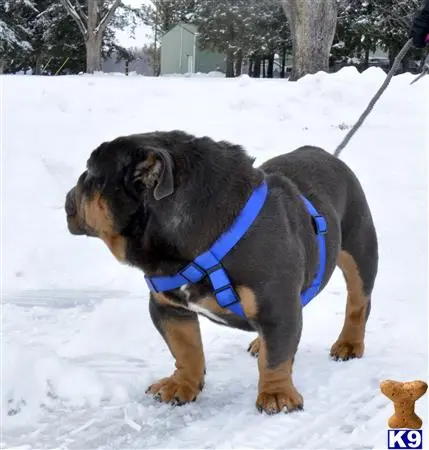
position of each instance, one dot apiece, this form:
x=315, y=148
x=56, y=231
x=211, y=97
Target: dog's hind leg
x=358, y=261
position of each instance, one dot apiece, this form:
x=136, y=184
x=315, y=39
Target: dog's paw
x=344, y=350
x=273, y=403
x=254, y=347
x=175, y=390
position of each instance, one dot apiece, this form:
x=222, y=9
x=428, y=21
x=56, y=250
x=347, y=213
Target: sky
x=142, y=34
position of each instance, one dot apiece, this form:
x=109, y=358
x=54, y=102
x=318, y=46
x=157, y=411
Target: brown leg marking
x=254, y=347
x=184, y=340
x=97, y=216
x=276, y=391
x=350, y=343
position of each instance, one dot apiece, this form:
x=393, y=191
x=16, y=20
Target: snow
x=78, y=346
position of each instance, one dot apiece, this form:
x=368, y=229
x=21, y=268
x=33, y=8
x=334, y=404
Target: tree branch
x=106, y=19
x=72, y=11
x=81, y=12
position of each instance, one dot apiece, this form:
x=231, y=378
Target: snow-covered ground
x=78, y=346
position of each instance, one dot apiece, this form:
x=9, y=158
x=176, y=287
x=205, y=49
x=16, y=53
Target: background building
x=180, y=53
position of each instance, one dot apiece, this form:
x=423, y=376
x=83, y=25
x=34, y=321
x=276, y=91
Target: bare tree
x=92, y=25
x=312, y=24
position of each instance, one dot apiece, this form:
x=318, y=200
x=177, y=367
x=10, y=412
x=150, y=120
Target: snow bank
x=80, y=348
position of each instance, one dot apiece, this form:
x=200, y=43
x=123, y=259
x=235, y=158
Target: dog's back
x=323, y=177
x=335, y=191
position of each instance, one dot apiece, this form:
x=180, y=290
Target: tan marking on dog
x=350, y=343
x=210, y=303
x=184, y=340
x=97, y=216
x=209, y=307
x=276, y=391
x=163, y=300
x=148, y=170
x=248, y=301
x=254, y=347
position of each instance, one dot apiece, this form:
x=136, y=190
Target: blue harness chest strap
x=209, y=263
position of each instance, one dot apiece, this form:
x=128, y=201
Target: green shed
x=180, y=53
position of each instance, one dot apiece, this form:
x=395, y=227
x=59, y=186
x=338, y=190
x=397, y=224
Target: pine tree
x=224, y=26
x=14, y=31
x=243, y=29
x=268, y=34
x=163, y=15
x=364, y=25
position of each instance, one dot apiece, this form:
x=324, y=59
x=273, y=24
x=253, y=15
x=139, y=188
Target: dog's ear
x=156, y=172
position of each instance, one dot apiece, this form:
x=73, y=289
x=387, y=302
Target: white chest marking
x=199, y=309
x=205, y=312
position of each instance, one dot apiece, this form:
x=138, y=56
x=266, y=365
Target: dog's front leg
x=181, y=331
x=279, y=337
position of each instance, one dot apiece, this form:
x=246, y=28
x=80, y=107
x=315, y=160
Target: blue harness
x=209, y=263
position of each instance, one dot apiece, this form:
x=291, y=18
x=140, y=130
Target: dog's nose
x=70, y=205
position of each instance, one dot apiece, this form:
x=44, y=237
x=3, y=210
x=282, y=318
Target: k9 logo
x=397, y=439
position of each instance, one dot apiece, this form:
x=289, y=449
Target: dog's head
x=120, y=178
x=159, y=195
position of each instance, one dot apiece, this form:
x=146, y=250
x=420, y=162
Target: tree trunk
x=93, y=54
x=366, y=61
x=264, y=72
x=238, y=63
x=93, y=42
x=251, y=61
x=257, y=67
x=283, y=71
x=37, y=65
x=392, y=54
x=312, y=24
x=1, y=66
x=92, y=26
x=230, y=64
x=270, y=69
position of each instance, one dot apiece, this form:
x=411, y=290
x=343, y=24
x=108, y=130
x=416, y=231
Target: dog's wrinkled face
x=121, y=176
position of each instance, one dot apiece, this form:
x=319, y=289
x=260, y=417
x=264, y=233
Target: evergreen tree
x=243, y=29
x=364, y=25
x=223, y=26
x=163, y=15
x=14, y=31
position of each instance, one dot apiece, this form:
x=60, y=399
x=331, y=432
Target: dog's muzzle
x=75, y=223
x=70, y=206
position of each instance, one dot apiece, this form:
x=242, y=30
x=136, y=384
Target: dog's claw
x=253, y=347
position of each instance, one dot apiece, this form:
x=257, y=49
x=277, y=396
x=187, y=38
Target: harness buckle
x=320, y=224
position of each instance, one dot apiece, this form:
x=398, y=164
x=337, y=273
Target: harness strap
x=321, y=228
x=209, y=263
